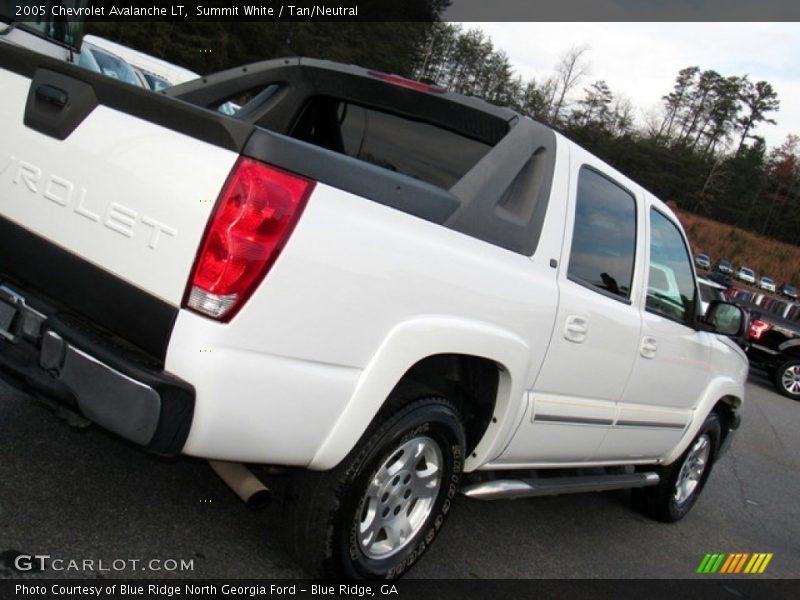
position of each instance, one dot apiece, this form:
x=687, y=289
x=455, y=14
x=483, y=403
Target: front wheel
x=682, y=481
x=374, y=515
x=787, y=379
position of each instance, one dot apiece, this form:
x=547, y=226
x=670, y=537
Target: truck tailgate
x=126, y=195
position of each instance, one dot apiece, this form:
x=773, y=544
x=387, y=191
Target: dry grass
x=766, y=256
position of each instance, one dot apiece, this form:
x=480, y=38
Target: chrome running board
x=553, y=486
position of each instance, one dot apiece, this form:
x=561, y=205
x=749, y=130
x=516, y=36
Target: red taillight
x=254, y=217
x=409, y=83
x=758, y=328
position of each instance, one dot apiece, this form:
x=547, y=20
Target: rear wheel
x=682, y=481
x=787, y=379
x=373, y=515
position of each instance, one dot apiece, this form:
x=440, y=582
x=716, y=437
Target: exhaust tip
x=259, y=499
x=242, y=481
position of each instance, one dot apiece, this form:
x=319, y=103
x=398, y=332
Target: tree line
x=699, y=150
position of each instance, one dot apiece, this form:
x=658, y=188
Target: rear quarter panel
x=360, y=293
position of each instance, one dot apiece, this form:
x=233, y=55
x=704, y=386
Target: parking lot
x=83, y=494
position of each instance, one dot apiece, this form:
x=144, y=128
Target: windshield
x=156, y=83
x=95, y=59
x=47, y=23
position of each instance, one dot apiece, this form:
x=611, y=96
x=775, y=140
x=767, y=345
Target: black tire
x=324, y=511
x=664, y=502
x=784, y=379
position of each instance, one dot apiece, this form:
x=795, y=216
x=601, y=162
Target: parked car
x=746, y=274
x=99, y=60
x=725, y=266
x=157, y=74
x=766, y=283
x=154, y=73
x=789, y=291
x=353, y=280
x=774, y=345
x=702, y=261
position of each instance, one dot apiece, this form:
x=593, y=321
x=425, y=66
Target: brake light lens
x=408, y=83
x=758, y=328
x=255, y=214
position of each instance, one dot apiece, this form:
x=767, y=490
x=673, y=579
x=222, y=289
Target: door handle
x=576, y=328
x=649, y=347
x=52, y=95
x=57, y=104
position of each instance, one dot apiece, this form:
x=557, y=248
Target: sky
x=641, y=60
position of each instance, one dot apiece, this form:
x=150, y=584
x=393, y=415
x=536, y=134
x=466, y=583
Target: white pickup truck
x=398, y=292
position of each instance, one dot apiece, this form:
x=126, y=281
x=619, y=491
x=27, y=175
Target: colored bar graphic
x=765, y=563
x=703, y=563
x=717, y=564
x=723, y=563
x=752, y=563
x=732, y=559
x=741, y=563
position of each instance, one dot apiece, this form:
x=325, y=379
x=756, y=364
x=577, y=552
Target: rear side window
x=421, y=150
x=670, y=289
x=604, y=236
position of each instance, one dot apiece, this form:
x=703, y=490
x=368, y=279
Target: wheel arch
x=723, y=396
x=451, y=356
x=471, y=382
x=727, y=408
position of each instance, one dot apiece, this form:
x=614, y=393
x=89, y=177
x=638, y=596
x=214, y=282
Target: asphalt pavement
x=79, y=495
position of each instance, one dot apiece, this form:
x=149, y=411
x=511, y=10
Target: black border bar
x=701, y=588
x=424, y=10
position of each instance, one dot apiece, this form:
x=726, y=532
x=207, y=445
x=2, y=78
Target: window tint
x=604, y=237
x=670, y=289
x=414, y=148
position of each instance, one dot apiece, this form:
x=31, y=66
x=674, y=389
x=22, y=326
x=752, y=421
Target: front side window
x=670, y=287
x=604, y=235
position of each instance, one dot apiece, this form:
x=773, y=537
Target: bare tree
x=570, y=70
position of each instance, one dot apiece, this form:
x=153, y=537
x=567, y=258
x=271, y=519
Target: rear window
x=426, y=152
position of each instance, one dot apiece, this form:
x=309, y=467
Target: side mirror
x=727, y=319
